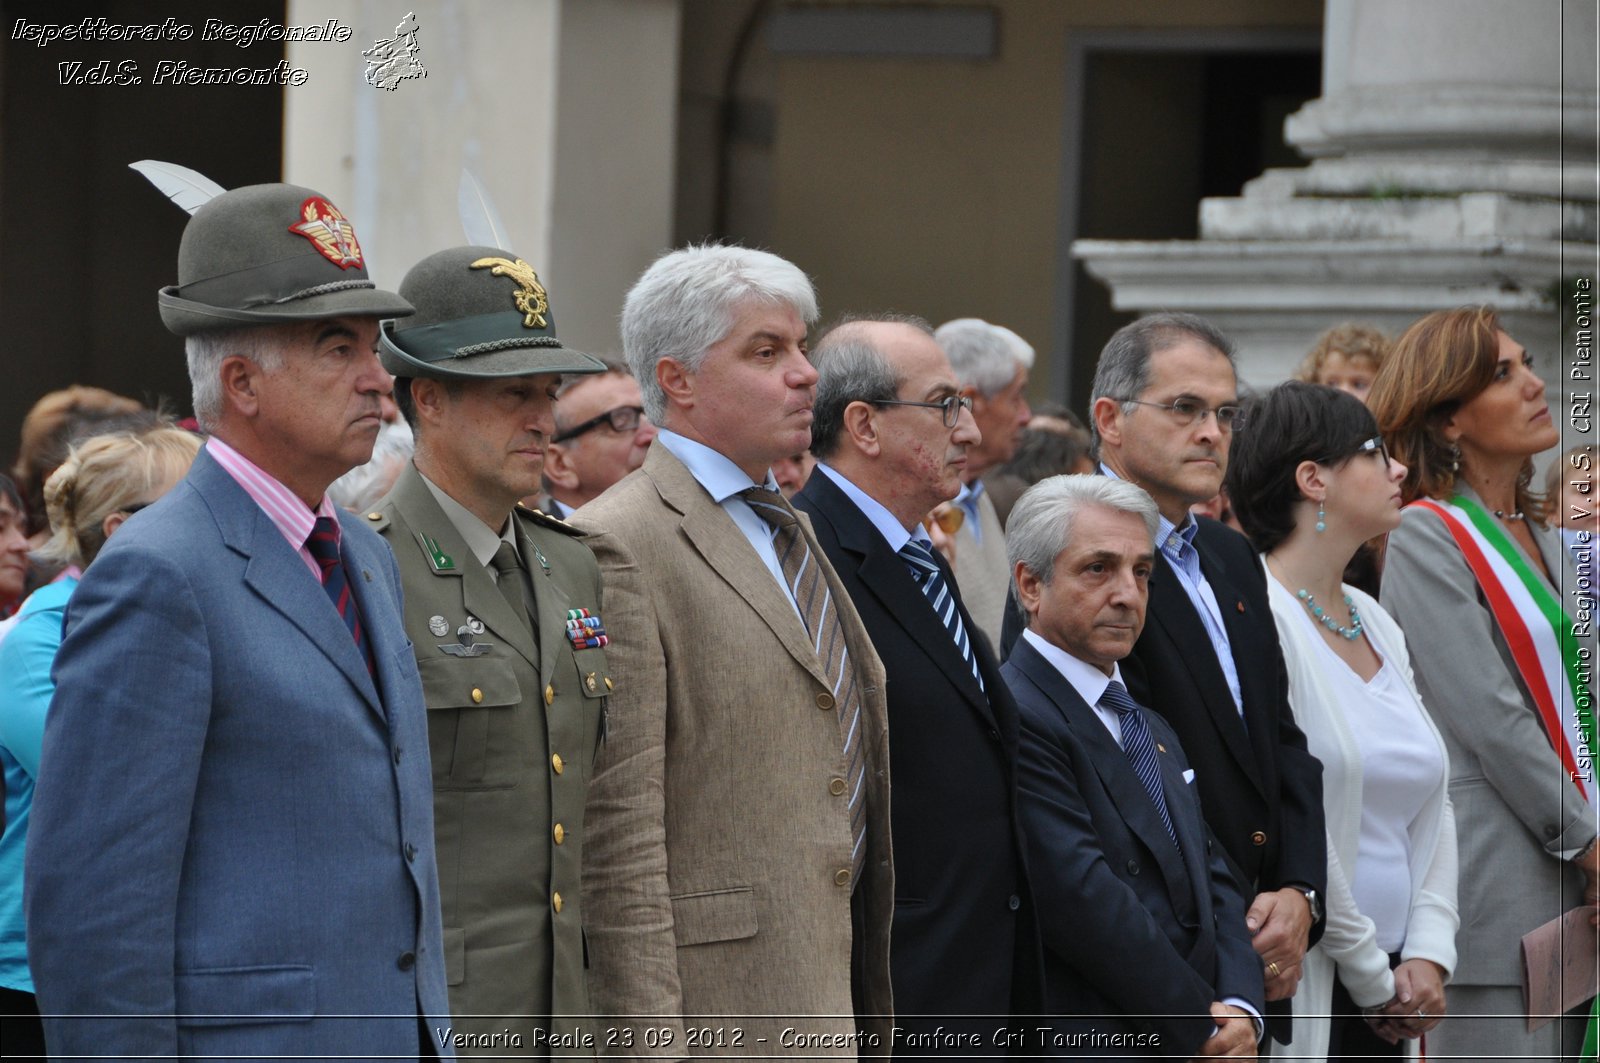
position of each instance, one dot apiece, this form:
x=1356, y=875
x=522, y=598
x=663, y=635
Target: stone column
x=564, y=109
x=1453, y=162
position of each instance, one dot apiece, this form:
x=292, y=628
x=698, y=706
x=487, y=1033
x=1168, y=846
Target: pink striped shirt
x=287, y=513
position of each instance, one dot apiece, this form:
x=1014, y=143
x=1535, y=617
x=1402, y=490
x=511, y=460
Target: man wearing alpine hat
x=231, y=852
x=502, y=604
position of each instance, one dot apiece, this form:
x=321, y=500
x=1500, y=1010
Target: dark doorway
x=85, y=242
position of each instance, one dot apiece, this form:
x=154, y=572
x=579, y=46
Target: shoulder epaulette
x=540, y=517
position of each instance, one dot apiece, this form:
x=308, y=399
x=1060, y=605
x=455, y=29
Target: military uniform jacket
x=514, y=723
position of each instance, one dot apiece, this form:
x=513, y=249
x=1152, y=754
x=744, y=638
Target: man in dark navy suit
x=1146, y=950
x=891, y=437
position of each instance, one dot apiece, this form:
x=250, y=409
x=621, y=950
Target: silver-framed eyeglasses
x=1188, y=412
x=951, y=406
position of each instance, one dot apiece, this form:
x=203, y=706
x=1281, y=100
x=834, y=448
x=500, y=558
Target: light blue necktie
x=1140, y=749
x=919, y=559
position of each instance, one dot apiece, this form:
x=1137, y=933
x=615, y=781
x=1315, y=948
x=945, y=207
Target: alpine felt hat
x=481, y=312
x=270, y=254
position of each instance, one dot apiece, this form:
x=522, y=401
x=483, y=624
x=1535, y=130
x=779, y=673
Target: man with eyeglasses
x=601, y=436
x=1164, y=408
x=892, y=436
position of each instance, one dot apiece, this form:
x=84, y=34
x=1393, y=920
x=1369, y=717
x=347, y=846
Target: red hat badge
x=329, y=232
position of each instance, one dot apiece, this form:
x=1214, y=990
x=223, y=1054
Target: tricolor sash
x=1549, y=656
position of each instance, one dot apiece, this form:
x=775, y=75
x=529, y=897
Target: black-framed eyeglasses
x=951, y=406
x=1188, y=411
x=1368, y=446
x=134, y=508
x=621, y=419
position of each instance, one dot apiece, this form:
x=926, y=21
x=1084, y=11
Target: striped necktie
x=1139, y=747
x=810, y=589
x=324, y=548
x=925, y=570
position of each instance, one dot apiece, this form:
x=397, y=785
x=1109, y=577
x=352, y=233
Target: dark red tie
x=324, y=547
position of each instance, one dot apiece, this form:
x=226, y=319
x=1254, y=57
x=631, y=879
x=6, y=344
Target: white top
x=893, y=532
x=1349, y=938
x=1401, y=768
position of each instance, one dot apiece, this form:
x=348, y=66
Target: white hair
x=984, y=356
x=686, y=302
x=1040, y=525
x=262, y=344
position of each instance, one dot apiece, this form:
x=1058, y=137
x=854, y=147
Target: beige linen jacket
x=721, y=913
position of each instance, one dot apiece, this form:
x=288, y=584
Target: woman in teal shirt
x=102, y=483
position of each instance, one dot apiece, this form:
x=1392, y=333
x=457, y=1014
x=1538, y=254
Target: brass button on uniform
x=836, y=787
x=1258, y=838
x=477, y=696
x=374, y=516
x=559, y=833
x=549, y=694
x=842, y=877
x=609, y=683
x=555, y=901
x=556, y=763
x=824, y=701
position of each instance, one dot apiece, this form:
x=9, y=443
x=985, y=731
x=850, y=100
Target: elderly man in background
x=601, y=435
x=231, y=851
x=738, y=874
x=892, y=436
x=992, y=363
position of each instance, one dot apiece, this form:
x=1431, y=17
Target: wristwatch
x=1313, y=898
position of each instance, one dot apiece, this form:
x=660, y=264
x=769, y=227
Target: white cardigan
x=1349, y=939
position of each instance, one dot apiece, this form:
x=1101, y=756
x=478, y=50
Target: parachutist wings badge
x=531, y=299
x=329, y=232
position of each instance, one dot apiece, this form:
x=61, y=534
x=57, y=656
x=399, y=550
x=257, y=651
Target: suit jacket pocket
x=714, y=915
x=243, y=996
x=466, y=696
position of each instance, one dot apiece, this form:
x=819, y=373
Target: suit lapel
x=1110, y=763
x=729, y=555
x=278, y=575
x=1242, y=631
x=885, y=575
x=480, y=597
x=1171, y=608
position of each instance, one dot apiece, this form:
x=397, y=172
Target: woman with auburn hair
x=100, y=485
x=1486, y=595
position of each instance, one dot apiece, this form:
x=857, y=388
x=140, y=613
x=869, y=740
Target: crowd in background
x=1206, y=720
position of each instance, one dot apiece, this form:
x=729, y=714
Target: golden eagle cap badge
x=330, y=232
x=530, y=298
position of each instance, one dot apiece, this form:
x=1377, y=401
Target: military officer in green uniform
x=502, y=604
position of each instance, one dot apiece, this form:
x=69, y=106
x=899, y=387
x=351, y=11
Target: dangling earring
x=1322, y=518
x=1455, y=458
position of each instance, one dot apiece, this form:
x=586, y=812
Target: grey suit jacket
x=231, y=851
x=1516, y=811
x=717, y=879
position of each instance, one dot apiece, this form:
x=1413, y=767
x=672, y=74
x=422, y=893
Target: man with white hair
x=1143, y=923
x=737, y=874
x=992, y=363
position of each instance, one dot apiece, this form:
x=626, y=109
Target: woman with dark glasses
x=1311, y=480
